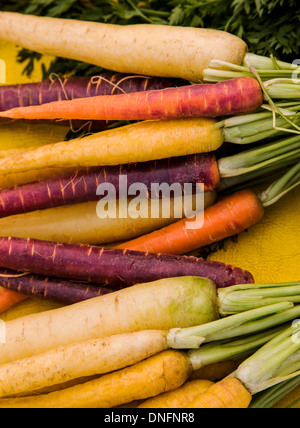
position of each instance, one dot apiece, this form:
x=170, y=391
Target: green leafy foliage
x=267, y=26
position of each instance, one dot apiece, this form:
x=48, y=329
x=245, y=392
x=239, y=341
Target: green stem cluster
x=275, y=362
x=242, y=297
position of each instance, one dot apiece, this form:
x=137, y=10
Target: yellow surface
x=14, y=69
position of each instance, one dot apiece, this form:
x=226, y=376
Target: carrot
x=69, y=88
x=229, y=216
x=81, y=185
x=88, y=223
x=167, y=370
x=9, y=298
x=169, y=52
x=102, y=355
x=97, y=356
x=61, y=291
x=231, y=97
x=80, y=359
x=115, y=267
x=21, y=178
x=18, y=137
x=178, y=398
x=227, y=393
x=180, y=302
x=138, y=142
x=30, y=305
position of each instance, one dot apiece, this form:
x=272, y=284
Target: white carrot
x=155, y=50
x=162, y=304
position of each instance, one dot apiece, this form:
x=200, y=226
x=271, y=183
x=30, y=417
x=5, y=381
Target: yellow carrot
x=19, y=137
x=138, y=142
x=14, y=179
x=81, y=359
x=29, y=305
x=227, y=393
x=178, y=398
x=162, y=372
x=80, y=223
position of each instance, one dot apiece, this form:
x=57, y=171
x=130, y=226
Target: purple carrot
x=62, y=291
x=69, y=88
x=81, y=186
x=115, y=267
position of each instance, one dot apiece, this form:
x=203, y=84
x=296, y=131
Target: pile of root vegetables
x=133, y=303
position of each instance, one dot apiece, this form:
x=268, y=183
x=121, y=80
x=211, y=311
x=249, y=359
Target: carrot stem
x=273, y=362
x=281, y=186
x=238, y=298
x=222, y=350
x=269, y=155
x=267, y=398
x=243, y=323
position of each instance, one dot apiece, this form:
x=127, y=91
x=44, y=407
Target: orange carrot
x=230, y=97
x=228, y=393
x=9, y=298
x=227, y=217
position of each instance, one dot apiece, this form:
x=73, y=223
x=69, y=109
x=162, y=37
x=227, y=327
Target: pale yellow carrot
x=14, y=179
x=29, y=305
x=163, y=304
x=81, y=223
x=81, y=359
x=155, y=50
x=162, y=372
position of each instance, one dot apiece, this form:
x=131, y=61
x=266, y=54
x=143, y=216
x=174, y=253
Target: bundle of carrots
x=153, y=121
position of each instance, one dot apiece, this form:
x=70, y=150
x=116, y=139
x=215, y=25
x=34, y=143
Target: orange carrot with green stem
x=236, y=96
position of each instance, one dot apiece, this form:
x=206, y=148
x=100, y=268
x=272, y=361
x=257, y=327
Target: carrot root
x=225, y=218
x=227, y=393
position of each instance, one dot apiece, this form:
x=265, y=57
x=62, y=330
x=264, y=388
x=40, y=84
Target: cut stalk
x=238, y=298
x=266, y=67
x=281, y=186
x=268, y=398
x=272, y=155
x=223, y=350
x=263, y=369
x=242, y=323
